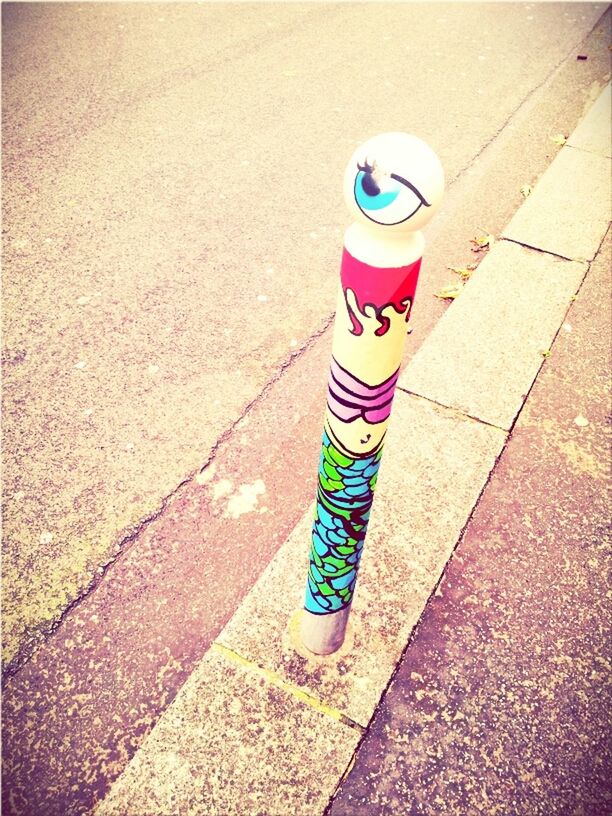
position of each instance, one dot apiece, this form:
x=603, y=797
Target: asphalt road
x=172, y=229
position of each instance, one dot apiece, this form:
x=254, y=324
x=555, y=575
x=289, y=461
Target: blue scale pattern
x=344, y=500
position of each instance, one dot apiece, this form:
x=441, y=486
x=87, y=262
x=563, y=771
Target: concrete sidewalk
x=501, y=703
x=470, y=723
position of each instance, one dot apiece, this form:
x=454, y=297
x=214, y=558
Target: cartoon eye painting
x=386, y=198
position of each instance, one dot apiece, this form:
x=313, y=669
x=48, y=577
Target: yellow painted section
x=275, y=680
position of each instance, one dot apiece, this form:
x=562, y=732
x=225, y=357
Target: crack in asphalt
x=41, y=634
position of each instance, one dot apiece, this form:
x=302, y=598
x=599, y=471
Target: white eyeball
x=394, y=180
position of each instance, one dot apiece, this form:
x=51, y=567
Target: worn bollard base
x=324, y=634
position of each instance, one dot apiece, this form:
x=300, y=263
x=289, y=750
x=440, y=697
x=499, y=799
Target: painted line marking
x=276, y=680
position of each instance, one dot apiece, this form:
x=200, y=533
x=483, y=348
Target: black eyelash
x=367, y=167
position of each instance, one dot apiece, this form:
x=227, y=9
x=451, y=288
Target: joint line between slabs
x=456, y=412
x=587, y=150
x=544, y=251
x=275, y=680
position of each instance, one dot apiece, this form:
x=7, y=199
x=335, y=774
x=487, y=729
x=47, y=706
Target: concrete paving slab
x=569, y=210
x=485, y=352
x=441, y=460
x=594, y=133
x=233, y=743
x=501, y=704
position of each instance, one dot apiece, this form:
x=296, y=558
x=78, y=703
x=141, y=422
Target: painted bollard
x=393, y=184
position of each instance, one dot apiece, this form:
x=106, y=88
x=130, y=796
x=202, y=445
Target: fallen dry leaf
x=464, y=272
x=559, y=139
x=482, y=242
x=449, y=292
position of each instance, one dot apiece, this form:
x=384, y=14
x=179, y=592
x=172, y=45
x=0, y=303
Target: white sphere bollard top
x=393, y=185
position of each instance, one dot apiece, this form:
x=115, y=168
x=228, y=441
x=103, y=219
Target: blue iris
x=373, y=202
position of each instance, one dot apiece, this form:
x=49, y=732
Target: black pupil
x=369, y=185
